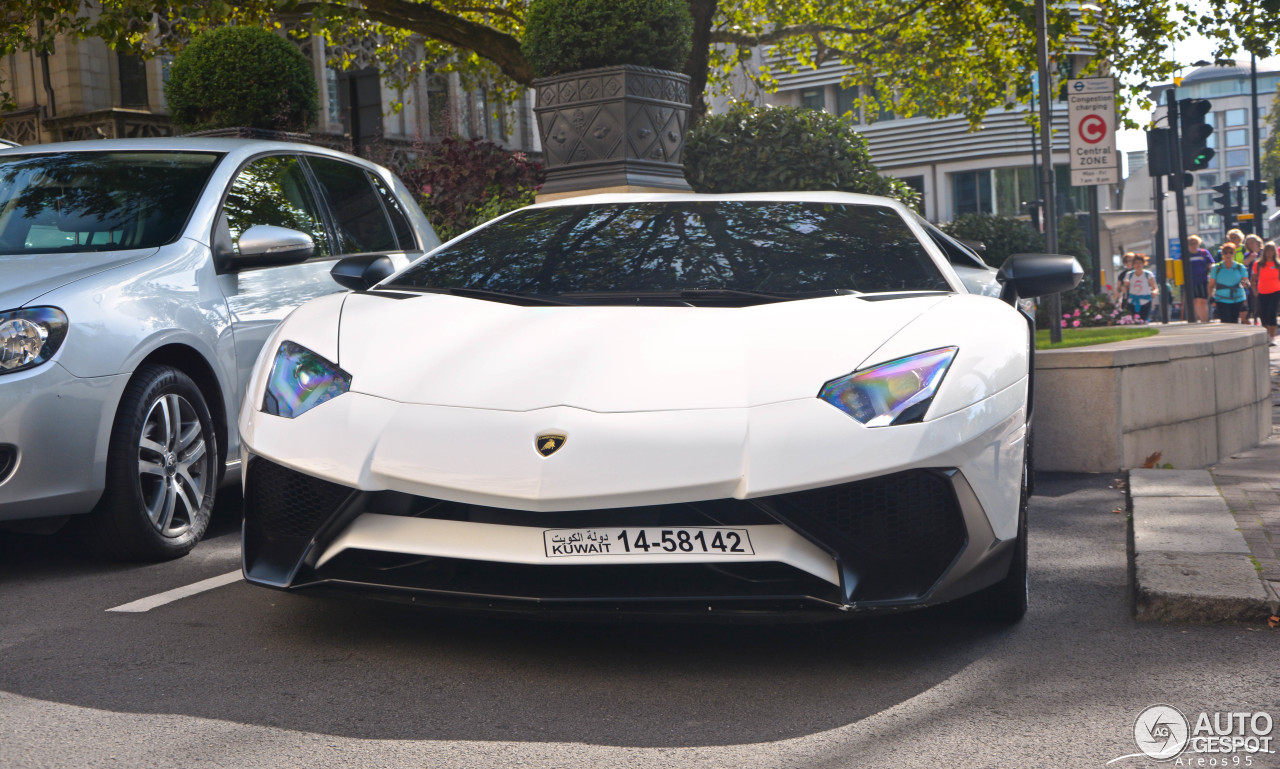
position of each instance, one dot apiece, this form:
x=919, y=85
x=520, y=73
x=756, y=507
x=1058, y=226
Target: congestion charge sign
x=1091, y=109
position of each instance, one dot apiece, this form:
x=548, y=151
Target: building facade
x=85, y=90
x=1229, y=91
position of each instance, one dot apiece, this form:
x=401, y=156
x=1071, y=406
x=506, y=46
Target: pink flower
x=1085, y=306
x=1076, y=323
x=1076, y=314
x=1097, y=317
x=1064, y=324
x=426, y=189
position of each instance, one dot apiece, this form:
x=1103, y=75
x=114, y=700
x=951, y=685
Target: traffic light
x=1257, y=204
x=1194, y=133
x=1159, y=161
x=1226, y=207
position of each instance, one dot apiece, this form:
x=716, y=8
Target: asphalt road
x=244, y=677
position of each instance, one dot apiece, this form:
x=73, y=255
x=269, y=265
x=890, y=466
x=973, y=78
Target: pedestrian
x=1141, y=288
x=1266, y=287
x=1252, y=252
x=1235, y=237
x=1228, y=282
x=1118, y=294
x=1201, y=262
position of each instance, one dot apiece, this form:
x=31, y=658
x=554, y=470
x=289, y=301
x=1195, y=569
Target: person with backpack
x=1141, y=288
x=1228, y=281
x=1198, y=281
x=1266, y=287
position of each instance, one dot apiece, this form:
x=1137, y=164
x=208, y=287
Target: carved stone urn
x=617, y=128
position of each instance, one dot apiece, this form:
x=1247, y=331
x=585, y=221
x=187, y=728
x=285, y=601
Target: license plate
x=561, y=543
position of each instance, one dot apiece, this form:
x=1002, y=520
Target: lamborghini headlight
x=897, y=392
x=300, y=380
x=30, y=336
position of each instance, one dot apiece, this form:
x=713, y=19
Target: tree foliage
x=1001, y=235
x=461, y=184
x=241, y=76
x=569, y=35
x=754, y=149
x=925, y=57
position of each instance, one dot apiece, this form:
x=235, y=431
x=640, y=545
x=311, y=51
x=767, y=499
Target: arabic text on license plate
x=646, y=541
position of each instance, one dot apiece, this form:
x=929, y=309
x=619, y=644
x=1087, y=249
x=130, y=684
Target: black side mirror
x=361, y=273
x=264, y=245
x=1025, y=276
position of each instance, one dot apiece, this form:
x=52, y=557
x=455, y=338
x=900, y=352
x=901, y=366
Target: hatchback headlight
x=300, y=380
x=893, y=393
x=30, y=336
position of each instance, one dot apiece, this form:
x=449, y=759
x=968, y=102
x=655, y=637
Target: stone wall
x=1196, y=394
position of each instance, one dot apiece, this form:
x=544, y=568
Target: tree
x=926, y=57
x=1000, y=235
x=241, y=76
x=755, y=149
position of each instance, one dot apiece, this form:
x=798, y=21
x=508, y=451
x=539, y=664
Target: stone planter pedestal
x=613, y=129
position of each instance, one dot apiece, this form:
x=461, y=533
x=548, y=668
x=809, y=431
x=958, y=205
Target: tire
x=1006, y=600
x=162, y=471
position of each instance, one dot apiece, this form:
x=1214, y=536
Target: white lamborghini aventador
x=684, y=403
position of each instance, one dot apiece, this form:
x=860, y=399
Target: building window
x=1206, y=181
x=1237, y=157
x=971, y=191
x=1014, y=188
x=1238, y=179
x=1237, y=138
x=813, y=98
x=847, y=103
x=916, y=183
x=1204, y=200
x=331, y=95
x=1236, y=117
x=166, y=62
x=133, y=81
x=438, y=112
x=1210, y=221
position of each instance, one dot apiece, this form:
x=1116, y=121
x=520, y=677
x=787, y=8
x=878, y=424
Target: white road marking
x=169, y=596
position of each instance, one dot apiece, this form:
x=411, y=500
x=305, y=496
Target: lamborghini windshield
x=677, y=247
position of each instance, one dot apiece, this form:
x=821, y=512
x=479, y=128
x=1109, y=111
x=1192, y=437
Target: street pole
x=1048, y=212
x=1095, y=283
x=1162, y=272
x=1255, y=198
x=1180, y=205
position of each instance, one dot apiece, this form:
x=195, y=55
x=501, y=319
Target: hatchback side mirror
x=361, y=273
x=263, y=245
x=1025, y=276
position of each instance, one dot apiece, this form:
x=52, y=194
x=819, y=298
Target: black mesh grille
x=897, y=533
x=281, y=502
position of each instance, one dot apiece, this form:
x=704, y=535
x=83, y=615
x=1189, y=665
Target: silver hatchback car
x=138, y=280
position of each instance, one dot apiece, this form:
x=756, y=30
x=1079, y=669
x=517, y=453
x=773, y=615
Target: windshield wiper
x=493, y=295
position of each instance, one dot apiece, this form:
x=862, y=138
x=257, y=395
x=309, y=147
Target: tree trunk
x=703, y=12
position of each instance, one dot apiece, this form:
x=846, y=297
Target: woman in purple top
x=1201, y=262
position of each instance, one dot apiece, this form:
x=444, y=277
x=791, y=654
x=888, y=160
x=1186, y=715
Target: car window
x=274, y=191
x=359, y=218
x=774, y=246
x=395, y=212
x=957, y=253
x=98, y=201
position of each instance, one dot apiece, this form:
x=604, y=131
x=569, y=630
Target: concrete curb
x=1191, y=563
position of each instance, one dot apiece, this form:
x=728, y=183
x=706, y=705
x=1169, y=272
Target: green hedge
x=248, y=77
x=775, y=149
x=570, y=35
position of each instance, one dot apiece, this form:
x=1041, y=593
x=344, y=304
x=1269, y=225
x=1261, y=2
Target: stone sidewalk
x=1207, y=542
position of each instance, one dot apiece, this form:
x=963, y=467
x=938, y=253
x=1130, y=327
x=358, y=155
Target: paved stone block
x=1077, y=433
x=1161, y=395
x=1193, y=443
x=1235, y=383
x=1191, y=587
x=1238, y=429
x=1185, y=525
x=1172, y=483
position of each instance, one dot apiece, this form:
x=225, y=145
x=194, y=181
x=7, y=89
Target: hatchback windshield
x=775, y=247
x=97, y=201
